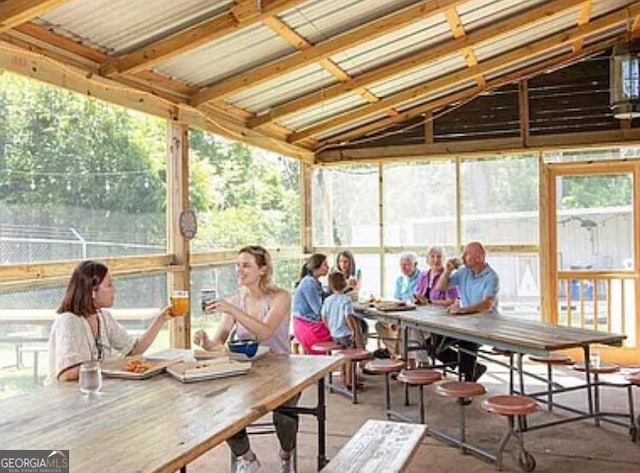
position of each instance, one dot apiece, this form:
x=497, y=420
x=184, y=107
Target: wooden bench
x=378, y=446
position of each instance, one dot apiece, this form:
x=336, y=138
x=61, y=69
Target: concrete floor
x=573, y=447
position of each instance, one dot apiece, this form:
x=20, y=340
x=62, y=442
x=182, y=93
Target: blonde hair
x=263, y=259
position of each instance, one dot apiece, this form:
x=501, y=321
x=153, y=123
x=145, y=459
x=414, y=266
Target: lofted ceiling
x=303, y=76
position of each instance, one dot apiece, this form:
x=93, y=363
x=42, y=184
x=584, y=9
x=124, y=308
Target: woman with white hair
x=427, y=291
x=405, y=287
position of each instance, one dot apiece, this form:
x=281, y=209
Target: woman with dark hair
x=261, y=310
x=307, y=302
x=346, y=264
x=84, y=330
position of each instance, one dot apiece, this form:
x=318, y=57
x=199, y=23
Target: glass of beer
x=179, y=303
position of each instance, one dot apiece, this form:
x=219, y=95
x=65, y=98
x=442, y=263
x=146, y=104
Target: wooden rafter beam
x=495, y=64
x=192, y=38
x=583, y=19
x=480, y=147
x=324, y=49
x=433, y=53
x=457, y=28
x=16, y=12
x=302, y=44
x=469, y=93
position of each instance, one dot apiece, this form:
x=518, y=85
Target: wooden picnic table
x=158, y=424
x=505, y=332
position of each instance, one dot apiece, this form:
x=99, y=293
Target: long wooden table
x=158, y=424
x=504, y=332
x=515, y=335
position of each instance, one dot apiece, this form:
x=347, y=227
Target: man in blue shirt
x=404, y=289
x=478, y=285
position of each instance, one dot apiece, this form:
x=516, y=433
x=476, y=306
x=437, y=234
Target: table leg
x=321, y=418
x=587, y=371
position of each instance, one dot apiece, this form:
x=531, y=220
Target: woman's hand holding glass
x=165, y=313
x=218, y=306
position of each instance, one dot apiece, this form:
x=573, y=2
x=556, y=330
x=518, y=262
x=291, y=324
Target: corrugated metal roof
x=118, y=26
x=525, y=35
x=284, y=88
x=352, y=125
x=121, y=26
x=478, y=13
x=320, y=20
x=324, y=111
x=228, y=56
x=399, y=44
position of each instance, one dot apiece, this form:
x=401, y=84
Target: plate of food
x=135, y=367
x=192, y=371
x=393, y=306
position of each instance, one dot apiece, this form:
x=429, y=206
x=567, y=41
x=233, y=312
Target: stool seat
x=510, y=405
x=633, y=378
x=602, y=369
x=419, y=377
x=356, y=354
x=388, y=365
x=326, y=346
x=460, y=389
x=552, y=359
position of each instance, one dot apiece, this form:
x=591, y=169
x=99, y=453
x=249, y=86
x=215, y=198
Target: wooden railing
x=600, y=301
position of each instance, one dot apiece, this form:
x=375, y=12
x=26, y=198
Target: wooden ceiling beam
x=495, y=64
x=583, y=19
x=433, y=53
x=479, y=147
x=179, y=43
x=37, y=39
x=323, y=50
x=468, y=94
x=16, y=12
x=457, y=28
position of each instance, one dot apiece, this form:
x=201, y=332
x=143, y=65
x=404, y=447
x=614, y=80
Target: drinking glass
x=90, y=377
x=179, y=303
x=207, y=295
x=594, y=359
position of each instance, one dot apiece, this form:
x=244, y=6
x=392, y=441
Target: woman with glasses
x=85, y=330
x=260, y=311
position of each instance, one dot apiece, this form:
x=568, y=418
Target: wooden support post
x=428, y=128
x=306, y=179
x=178, y=246
x=523, y=105
x=547, y=235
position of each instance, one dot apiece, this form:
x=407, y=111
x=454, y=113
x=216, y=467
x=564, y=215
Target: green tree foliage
x=63, y=149
x=72, y=161
x=252, y=197
x=596, y=191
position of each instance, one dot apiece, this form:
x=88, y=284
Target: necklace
x=96, y=339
